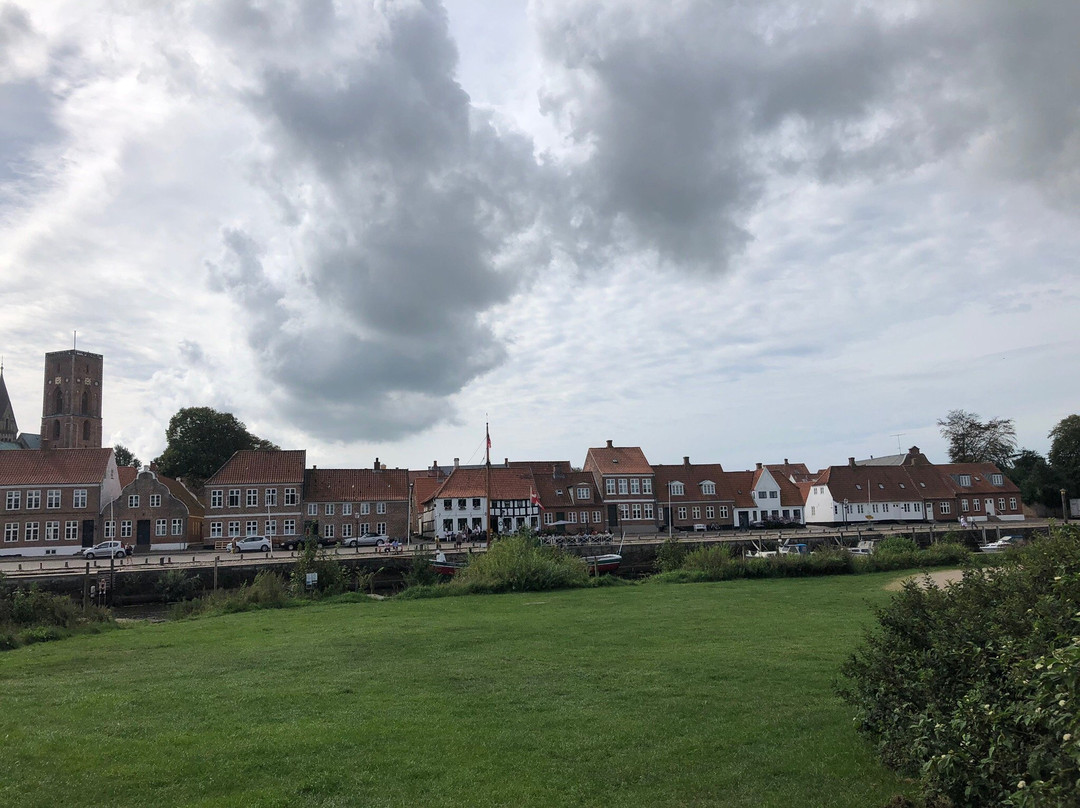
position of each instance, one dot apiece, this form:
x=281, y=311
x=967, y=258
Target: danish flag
x=535, y=499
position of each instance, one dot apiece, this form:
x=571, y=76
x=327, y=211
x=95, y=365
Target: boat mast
x=487, y=488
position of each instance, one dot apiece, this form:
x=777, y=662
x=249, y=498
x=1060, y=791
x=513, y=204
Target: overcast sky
x=739, y=231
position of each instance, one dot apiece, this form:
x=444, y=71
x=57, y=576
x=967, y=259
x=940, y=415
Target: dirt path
x=940, y=578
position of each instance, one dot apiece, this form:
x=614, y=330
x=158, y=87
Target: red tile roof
x=54, y=466
x=692, y=476
x=355, y=485
x=740, y=484
x=506, y=483
x=127, y=475
x=617, y=460
x=261, y=466
x=980, y=478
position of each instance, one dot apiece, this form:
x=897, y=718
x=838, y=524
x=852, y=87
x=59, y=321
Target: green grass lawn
x=704, y=694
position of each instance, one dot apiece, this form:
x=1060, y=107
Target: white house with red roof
x=459, y=506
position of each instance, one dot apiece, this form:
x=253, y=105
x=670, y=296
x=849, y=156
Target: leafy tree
x=201, y=439
x=973, y=441
x=1064, y=453
x=125, y=457
x=1037, y=481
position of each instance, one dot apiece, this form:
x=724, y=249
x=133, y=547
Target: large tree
x=125, y=457
x=200, y=440
x=1037, y=481
x=1064, y=453
x=974, y=441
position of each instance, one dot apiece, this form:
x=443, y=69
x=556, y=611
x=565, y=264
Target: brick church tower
x=71, y=409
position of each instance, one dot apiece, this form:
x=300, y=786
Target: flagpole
x=487, y=491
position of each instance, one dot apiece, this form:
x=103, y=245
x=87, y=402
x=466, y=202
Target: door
x=88, y=533
x=744, y=519
x=613, y=516
x=989, y=506
x=142, y=534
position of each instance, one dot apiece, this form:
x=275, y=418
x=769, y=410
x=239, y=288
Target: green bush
x=895, y=545
x=33, y=615
x=269, y=590
x=670, y=555
x=974, y=689
x=332, y=576
x=177, y=585
x=710, y=560
x=519, y=563
x=420, y=571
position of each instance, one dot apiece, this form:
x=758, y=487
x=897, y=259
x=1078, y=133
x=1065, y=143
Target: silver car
x=255, y=544
x=116, y=549
x=366, y=540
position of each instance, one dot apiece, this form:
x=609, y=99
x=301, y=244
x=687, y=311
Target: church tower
x=9, y=430
x=71, y=410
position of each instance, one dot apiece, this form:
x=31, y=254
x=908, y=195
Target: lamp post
x=669, y=509
x=845, y=513
x=1064, y=513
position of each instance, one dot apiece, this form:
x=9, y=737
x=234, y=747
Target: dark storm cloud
x=686, y=112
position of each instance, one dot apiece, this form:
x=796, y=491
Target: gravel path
x=940, y=578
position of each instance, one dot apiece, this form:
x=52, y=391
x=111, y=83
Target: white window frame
x=33, y=500
x=270, y=497
x=161, y=527
x=290, y=496
x=31, y=532
x=252, y=500
x=52, y=531
x=217, y=498
x=52, y=498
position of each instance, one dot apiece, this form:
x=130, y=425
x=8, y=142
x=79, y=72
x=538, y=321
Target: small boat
x=602, y=564
x=443, y=566
x=1001, y=545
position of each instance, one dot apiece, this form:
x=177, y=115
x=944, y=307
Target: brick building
x=153, y=512
x=625, y=478
x=256, y=493
x=343, y=503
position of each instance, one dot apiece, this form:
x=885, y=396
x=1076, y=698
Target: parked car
x=366, y=540
x=256, y=544
x=115, y=549
x=296, y=542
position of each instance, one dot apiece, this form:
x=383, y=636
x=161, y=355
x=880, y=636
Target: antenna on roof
x=899, y=435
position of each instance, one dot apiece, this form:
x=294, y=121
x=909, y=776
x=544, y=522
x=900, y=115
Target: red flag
x=535, y=499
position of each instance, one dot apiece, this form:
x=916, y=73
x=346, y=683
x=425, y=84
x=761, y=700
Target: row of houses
x=56, y=501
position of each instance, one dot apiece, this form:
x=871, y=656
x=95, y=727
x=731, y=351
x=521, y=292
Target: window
x=722, y=510
x=677, y=489
x=945, y=507
x=646, y=485
x=461, y=505
x=290, y=496
x=161, y=527
x=270, y=497
x=462, y=525
x=329, y=509
x=583, y=492
x=447, y=526
x=155, y=500
x=365, y=508
x=78, y=498
x=365, y=527
x=381, y=528
x=774, y=494
x=251, y=528
x=648, y=510
x=965, y=480
x=133, y=501
x=696, y=512
x=1012, y=503
x=234, y=529
x=11, y=532
x=624, y=512
x=682, y=512
x=997, y=479
x=860, y=508
x=964, y=505
x=328, y=531
x=346, y=530
x=30, y=532
x=975, y=504
x=476, y=503
x=447, y=505
x=708, y=488
x=178, y=527
x=346, y=509
x=636, y=511
x=217, y=498
x=253, y=497
x=918, y=507
x=1001, y=503
x=380, y=507
x=313, y=509
x=710, y=512
x=584, y=517
x=52, y=498
x=71, y=530
x=110, y=529
x=289, y=526
x=52, y=531
x=478, y=523
x=215, y=530
x=635, y=486
x=571, y=517
x=234, y=497
x=624, y=486
x=907, y=507
x=33, y=500
x=271, y=527
x=609, y=485
x=14, y=500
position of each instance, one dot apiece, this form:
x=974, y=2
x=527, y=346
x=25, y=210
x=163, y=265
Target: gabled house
x=983, y=492
x=854, y=494
x=691, y=494
x=256, y=493
x=52, y=499
x=342, y=503
x=570, y=501
x=153, y=512
x=626, y=481
x=459, y=507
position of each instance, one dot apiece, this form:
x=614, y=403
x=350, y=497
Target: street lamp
x=1064, y=513
x=845, y=512
x=669, y=509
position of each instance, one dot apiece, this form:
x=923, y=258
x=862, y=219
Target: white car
x=115, y=549
x=366, y=540
x=255, y=544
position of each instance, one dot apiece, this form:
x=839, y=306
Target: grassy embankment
x=715, y=694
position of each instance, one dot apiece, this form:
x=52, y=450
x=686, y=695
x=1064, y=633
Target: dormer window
x=708, y=488
x=584, y=493
x=677, y=489
x=965, y=480
x=997, y=479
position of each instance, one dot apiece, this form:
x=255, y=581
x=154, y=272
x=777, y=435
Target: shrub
x=520, y=563
x=332, y=576
x=975, y=689
x=670, y=555
x=177, y=585
x=711, y=561
x=895, y=545
x=269, y=590
x=420, y=571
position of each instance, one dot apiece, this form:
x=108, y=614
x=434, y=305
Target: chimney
x=506, y=462
x=609, y=445
x=786, y=462
x=686, y=460
x=851, y=462
x=456, y=461
x=377, y=466
x=759, y=467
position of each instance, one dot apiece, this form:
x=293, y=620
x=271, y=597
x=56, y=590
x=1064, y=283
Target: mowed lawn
x=700, y=694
